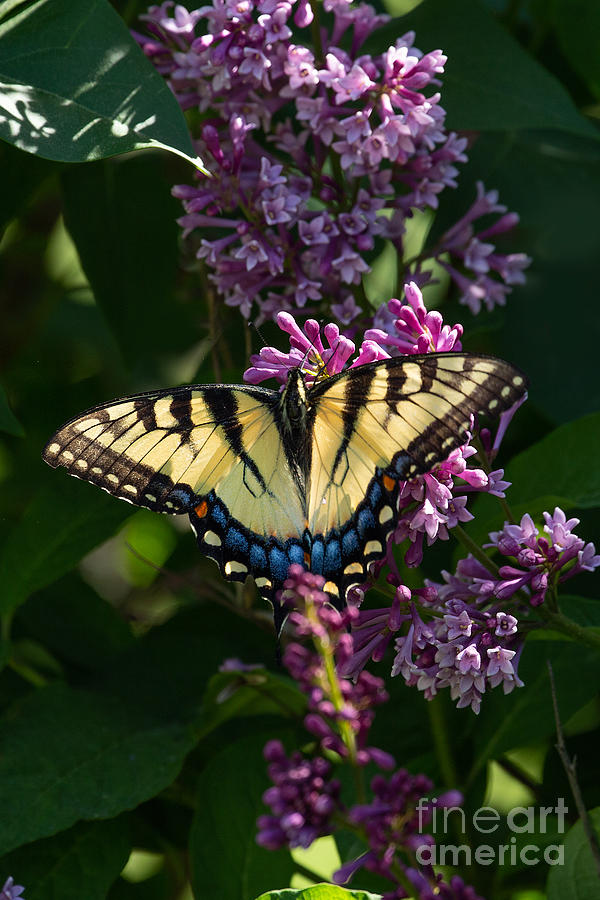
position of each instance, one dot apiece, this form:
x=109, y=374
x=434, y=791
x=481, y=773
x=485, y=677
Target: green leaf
x=490, y=82
x=253, y=693
x=62, y=523
x=73, y=754
x=81, y=862
x=225, y=859
x=129, y=251
x=319, y=892
x=565, y=463
x=75, y=86
x=8, y=420
x=577, y=30
x=526, y=715
x=577, y=878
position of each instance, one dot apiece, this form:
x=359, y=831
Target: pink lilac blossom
x=275, y=229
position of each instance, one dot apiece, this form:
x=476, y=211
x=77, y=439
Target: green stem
x=560, y=622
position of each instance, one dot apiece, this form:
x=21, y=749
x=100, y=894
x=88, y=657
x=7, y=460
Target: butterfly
x=308, y=475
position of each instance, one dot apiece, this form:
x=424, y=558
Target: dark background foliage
x=112, y=733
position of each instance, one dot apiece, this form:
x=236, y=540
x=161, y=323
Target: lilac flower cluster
x=463, y=634
x=306, y=801
x=315, y=154
x=303, y=799
x=11, y=891
x=342, y=726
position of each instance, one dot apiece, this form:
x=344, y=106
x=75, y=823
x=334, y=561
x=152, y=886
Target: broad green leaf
x=22, y=174
x=8, y=421
x=565, y=463
x=75, y=86
x=254, y=693
x=72, y=754
x=526, y=715
x=226, y=861
x=319, y=892
x=129, y=252
x=81, y=862
x=490, y=82
x=62, y=523
x=577, y=30
x=577, y=877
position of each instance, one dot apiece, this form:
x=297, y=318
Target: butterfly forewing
x=384, y=422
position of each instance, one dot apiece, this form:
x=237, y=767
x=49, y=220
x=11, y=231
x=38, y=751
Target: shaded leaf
x=75, y=86
x=81, y=862
x=73, y=754
x=577, y=29
x=8, y=420
x=61, y=524
x=577, y=879
x=226, y=861
x=483, y=85
x=526, y=715
x=129, y=251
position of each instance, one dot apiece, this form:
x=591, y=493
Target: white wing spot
x=150, y=497
x=130, y=488
x=386, y=514
x=331, y=588
x=67, y=456
x=373, y=547
x=53, y=448
x=354, y=568
x=82, y=463
x=112, y=478
x=505, y=392
x=493, y=404
x=263, y=582
x=96, y=470
x=234, y=566
x=518, y=381
x=212, y=539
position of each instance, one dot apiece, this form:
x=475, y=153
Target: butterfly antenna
x=259, y=332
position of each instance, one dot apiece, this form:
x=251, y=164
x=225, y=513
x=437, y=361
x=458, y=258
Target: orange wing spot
x=307, y=560
x=202, y=509
x=388, y=483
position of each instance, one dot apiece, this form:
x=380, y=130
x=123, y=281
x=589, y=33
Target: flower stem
x=557, y=620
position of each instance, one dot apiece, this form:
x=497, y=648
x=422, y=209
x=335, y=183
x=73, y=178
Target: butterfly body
x=308, y=475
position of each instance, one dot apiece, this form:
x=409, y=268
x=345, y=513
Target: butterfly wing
x=213, y=451
x=383, y=422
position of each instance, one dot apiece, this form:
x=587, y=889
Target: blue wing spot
x=296, y=554
x=236, y=541
x=279, y=563
x=402, y=463
x=366, y=522
x=316, y=556
x=258, y=558
x=219, y=514
x=375, y=494
x=350, y=543
x=333, y=558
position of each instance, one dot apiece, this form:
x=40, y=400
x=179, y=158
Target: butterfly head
x=294, y=401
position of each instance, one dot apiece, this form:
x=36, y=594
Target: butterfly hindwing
x=383, y=422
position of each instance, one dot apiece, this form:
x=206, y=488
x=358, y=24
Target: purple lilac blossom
x=11, y=891
x=275, y=229
x=303, y=799
x=306, y=801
